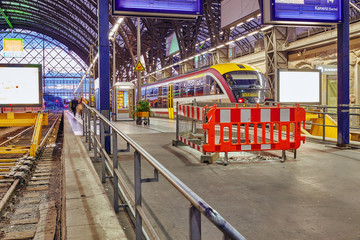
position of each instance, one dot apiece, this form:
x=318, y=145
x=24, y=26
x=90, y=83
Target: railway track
x=29, y=186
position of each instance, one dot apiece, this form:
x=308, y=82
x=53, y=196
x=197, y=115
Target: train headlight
x=241, y=100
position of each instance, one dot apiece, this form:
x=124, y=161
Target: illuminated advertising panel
x=299, y=86
x=158, y=8
x=12, y=47
x=20, y=85
x=301, y=12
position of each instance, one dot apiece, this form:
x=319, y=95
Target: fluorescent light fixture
x=250, y=34
x=222, y=45
x=213, y=49
x=228, y=43
x=240, y=38
x=232, y=28
x=250, y=19
x=266, y=28
x=240, y=24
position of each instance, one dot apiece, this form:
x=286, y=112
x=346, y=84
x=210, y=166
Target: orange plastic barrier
x=257, y=129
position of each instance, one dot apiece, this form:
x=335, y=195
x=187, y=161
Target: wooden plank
x=33, y=183
x=19, y=235
x=41, y=174
x=41, y=188
x=31, y=194
x=24, y=221
x=32, y=201
x=39, y=178
x=24, y=210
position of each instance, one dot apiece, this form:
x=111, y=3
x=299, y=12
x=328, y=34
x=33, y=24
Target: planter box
x=142, y=114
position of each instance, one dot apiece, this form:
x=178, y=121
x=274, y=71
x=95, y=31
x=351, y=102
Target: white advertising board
x=299, y=86
x=234, y=10
x=20, y=85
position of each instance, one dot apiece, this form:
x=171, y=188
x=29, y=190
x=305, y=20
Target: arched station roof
x=74, y=23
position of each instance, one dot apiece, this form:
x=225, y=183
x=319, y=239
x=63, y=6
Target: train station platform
x=89, y=214
x=315, y=196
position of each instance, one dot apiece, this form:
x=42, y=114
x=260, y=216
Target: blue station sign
x=158, y=8
x=302, y=11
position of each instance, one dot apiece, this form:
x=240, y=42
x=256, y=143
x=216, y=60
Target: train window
x=190, y=88
x=211, y=87
x=182, y=89
x=199, y=87
x=176, y=90
x=148, y=92
x=245, y=79
x=143, y=93
x=164, y=90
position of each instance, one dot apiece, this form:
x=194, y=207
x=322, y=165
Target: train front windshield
x=248, y=86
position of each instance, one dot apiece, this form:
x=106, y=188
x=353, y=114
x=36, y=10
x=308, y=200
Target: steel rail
x=16, y=136
x=210, y=213
x=9, y=194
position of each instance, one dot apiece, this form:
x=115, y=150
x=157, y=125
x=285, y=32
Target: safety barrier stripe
x=190, y=112
x=257, y=129
x=258, y=115
x=191, y=144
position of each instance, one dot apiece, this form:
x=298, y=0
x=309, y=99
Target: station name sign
x=301, y=12
x=158, y=8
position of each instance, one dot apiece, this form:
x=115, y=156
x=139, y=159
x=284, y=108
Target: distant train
x=52, y=102
x=228, y=82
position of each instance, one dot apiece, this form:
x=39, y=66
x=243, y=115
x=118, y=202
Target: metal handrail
x=199, y=206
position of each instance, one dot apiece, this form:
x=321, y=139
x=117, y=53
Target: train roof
x=221, y=68
x=230, y=67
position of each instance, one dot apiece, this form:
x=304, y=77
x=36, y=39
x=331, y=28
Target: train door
x=170, y=100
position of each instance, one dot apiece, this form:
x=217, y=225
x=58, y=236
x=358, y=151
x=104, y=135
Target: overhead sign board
x=158, y=8
x=20, y=85
x=301, y=12
x=12, y=47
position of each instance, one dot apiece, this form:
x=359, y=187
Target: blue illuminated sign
x=158, y=8
x=302, y=11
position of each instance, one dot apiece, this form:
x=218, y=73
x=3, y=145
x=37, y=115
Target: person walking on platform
x=74, y=104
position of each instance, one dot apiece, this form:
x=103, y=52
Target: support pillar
x=343, y=77
x=104, y=63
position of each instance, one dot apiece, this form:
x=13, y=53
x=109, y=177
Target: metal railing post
x=195, y=223
x=177, y=121
x=324, y=124
x=95, y=141
x=102, y=141
x=138, y=197
x=88, y=125
x=115, y=167
x=83, y=123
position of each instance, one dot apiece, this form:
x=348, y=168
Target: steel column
x=138, y=58
x=104, y=63
x=343, y=77
x=138, y=197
